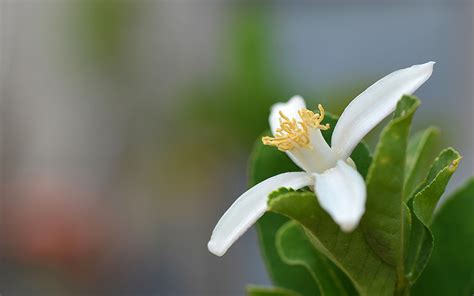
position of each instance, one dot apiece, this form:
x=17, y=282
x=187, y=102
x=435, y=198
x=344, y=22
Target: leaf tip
x=454, y=164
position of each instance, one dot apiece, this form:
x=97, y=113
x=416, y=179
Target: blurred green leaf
x=422, y=206
x=100, y=29
x=269, y=291
x=419, y=156
x=296, y=249
x=451, y=268
x=384, y=223
x=235, y=104
x=238, y=101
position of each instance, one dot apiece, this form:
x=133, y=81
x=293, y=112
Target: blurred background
x=125, y=126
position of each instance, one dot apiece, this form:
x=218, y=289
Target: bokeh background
x=125, y=126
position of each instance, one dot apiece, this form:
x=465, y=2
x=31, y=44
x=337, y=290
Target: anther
x=292, y=133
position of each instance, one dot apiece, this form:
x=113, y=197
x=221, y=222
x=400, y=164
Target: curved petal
x=374, y=104
x=320, y=157
x=289, y=108
x=341, y=193
x=249, y=207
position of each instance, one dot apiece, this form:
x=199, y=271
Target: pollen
x=293, y=133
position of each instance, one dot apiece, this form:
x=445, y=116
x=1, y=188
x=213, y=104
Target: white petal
x=249, y=207
x=374, y=104
x=341, y=193
x=319, y=157
x=289, y=108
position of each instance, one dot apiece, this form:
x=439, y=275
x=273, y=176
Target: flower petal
x=319, y=157
x=374, y=104
x=341, y=192
x=289, y=108
x=249, y=207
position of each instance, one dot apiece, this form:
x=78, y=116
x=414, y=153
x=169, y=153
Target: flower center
x=293, y=133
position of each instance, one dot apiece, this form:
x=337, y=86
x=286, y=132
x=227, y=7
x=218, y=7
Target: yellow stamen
x=292, y=133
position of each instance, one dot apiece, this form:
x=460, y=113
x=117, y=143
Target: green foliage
x=384, y=221
x=349, y=251
x=451, y=268
x=427, y=198
x=295, y=248
x=306, y=252
x=422, y=206
x=296, y=278
x=237, y=101
x=419, y=156
x=264, y=291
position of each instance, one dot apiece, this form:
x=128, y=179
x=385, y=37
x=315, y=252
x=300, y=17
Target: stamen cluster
x=293, y=133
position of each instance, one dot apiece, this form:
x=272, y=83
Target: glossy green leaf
x=295, y=248
x=269, y=291
x=385, y=223
x=266, y=162
x=349, y=251
x=451, y=268
x=419, y=156
x=423, y=205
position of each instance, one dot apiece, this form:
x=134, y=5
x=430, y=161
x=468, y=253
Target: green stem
x=403, y=287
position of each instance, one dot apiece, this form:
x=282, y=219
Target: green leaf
x=451, y=268
x=362, y=158
x=349, y=251
x=295, y=248
x=385, y=223
x=419, y=156
x=425, y=201
x=423, y=205
x=269, y=291
x=266, y=162
x=296, y=278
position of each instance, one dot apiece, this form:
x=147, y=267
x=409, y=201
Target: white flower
x=340, y=189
